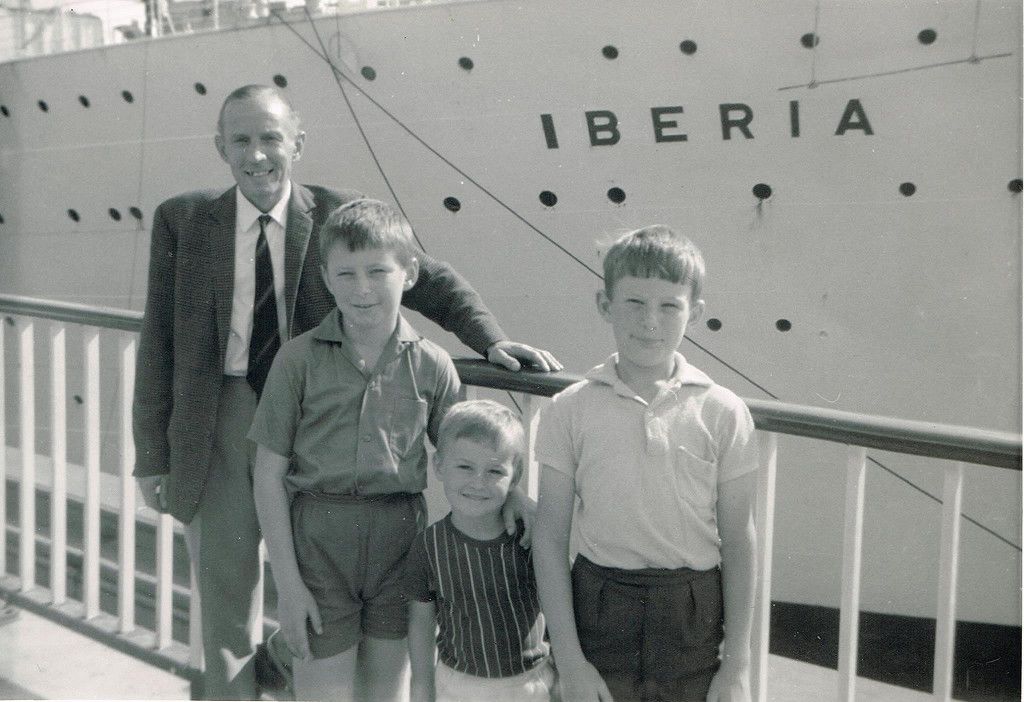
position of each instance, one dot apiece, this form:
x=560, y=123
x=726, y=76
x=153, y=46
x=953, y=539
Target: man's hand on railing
x=153, y=489
x=511, y=354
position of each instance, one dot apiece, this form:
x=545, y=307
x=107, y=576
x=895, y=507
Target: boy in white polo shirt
x=653, y=465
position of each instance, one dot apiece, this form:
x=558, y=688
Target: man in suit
x=231, y=276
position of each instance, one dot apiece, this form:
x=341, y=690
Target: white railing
x=116, y=492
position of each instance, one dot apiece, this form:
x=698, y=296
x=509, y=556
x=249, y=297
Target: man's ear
x=603, y=304
x=412, y=273
x=218, y=141
x=300, y=141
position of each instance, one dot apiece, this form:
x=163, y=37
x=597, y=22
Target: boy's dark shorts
x=652, y=634
x=351, y=552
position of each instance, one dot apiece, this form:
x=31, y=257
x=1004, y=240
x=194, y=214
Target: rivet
x=714, y=324
x=610, y=52
x=762, y=191
x=114, y=214
x=617, y=195
x=466, y=63
x=128, y=97
x=452, y=204
x=688, y=47
x=200, y=88
x=280, y=81
x=907, y=189
x=548, y=198
x=73, y=214
x=783, y=325
x=927, y=36
x=83, y=100
x=369, y=73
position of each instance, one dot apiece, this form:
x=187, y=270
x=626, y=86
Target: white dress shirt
x=247, y=231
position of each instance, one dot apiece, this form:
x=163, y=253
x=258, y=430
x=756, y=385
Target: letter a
x=846, y=122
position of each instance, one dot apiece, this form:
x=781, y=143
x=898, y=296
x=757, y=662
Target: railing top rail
x=106, y=317
x=947, y=441
x=958, y=443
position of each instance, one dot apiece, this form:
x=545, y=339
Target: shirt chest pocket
x=408, y=422
x=696, y=478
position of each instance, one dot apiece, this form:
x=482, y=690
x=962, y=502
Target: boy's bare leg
x=383, y=670
x=326, y=678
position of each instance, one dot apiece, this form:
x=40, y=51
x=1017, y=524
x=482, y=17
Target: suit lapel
x=296, y=242
x=221, y=243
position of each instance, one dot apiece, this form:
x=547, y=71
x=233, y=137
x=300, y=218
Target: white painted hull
x=904, y=305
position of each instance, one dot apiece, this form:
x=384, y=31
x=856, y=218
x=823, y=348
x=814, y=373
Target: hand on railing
x=510, y=354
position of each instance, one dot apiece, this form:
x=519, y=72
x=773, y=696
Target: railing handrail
x=945, y=441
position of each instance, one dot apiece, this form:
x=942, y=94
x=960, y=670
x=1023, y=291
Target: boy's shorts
x=535, y=685
x=652, y=634
x=350, y=551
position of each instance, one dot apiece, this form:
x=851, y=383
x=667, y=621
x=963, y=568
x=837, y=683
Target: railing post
x=59, y=454
x=531, y=420
x=949, y=563
x=195, y=620
x=27, y=488
x=126, y=519
x=91, y=513
x=3, y=452
x=765, y=526
x=164, y=580
x=853, y=542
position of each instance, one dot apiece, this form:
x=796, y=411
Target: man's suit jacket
x=185, y=328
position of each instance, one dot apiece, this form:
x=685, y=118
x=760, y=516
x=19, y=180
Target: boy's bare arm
x=295, y=603
x=578, y=679
x=422, y=649
x=736, y=528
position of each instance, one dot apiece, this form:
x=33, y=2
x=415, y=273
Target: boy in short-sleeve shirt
x=652, y=464
x=340, y=463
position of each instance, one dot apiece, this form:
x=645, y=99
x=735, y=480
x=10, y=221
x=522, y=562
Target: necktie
x=265, y=339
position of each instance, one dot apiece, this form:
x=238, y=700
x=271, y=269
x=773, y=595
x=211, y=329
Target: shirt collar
x=247, y=213
x=330, y=330
x=684, y=374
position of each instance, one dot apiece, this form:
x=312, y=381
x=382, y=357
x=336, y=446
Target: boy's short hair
x=485, y=421
x=368, y=224
x=655, y=251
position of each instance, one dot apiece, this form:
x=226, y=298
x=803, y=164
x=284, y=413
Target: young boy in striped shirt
x=471, y=587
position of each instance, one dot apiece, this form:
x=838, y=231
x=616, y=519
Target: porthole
x=809, y=40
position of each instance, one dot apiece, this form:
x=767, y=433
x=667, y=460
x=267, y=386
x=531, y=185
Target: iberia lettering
x=735, y=119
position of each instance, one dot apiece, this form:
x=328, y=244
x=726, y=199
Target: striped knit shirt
x=488, y=613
